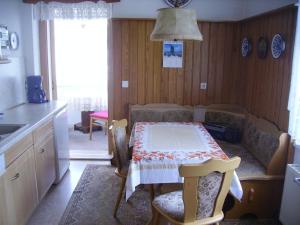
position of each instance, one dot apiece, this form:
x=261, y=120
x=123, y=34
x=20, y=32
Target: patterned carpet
x=93, y=200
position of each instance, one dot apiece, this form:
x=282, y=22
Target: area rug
x=92, y=202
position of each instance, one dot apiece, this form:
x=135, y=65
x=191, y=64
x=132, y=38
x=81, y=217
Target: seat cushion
x=249, y=166
x=100, y=115
x=171, y=204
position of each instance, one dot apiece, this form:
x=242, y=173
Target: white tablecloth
x=160, y=148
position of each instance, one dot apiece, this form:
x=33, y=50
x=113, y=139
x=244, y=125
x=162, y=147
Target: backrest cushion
x=177, y=116
x=160, y=113
x=261, y=139
x=234, y=120
x=208, y=190
x=121, y=148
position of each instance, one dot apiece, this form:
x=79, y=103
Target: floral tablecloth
x=159, y=148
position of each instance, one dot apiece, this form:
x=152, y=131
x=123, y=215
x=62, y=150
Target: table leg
x=152, y=192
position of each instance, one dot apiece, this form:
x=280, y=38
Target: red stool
x=99, y=118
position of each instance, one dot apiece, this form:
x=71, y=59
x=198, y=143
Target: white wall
x=255, y=7
x=25, y=60
x=212, y=10
x=30, y=30
x=12, y=75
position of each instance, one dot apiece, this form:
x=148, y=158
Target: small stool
x=96, y=118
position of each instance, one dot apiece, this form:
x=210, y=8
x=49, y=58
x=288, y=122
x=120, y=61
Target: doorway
x=80, y=48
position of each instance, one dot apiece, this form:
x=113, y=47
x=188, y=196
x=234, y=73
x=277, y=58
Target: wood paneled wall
x=260, y=85
x=265, y=82
x=139, y=60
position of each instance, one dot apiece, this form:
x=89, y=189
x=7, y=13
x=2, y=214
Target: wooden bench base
x=261, y=198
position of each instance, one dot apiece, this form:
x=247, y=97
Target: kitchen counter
x=33, y=115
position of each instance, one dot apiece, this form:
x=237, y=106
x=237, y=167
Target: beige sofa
x=263, y=150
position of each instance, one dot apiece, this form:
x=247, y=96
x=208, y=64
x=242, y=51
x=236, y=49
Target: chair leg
x=91, y=128
x=152, y=192
x=123, y=182
x=155, y=218
x=106, y=127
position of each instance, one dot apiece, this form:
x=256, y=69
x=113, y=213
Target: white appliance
x=61, y=137
x=289, y=212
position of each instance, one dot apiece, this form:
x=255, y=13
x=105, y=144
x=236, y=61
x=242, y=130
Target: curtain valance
x=68, y=1
x=80, y=10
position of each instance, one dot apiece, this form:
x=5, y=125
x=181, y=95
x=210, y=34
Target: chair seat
x=100, y=115
x=171, y=204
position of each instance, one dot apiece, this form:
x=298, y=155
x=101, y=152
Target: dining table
x=159, y=148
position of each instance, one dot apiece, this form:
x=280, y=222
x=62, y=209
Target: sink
x=7, y=129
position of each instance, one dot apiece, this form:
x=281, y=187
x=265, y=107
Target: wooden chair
x=204, y=190
x=98, y=118
x=120, y=150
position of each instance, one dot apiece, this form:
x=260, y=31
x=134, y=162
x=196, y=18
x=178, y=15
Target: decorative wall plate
x=181, y=3
x=13, y=41
x=262, y=47
x=278, y=46
x=246, y=47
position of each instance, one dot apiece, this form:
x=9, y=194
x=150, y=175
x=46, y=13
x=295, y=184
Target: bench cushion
x=160, y=113
x=249, y=167
x=260, y=139
x=234, y=120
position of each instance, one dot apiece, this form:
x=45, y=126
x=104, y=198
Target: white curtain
x=81, y=63
x=83, y=10
x=80, y=51
x=294, y=98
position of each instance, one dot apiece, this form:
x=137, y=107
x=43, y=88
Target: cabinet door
x=20, y=189
x=2, y=202
x=45, y=165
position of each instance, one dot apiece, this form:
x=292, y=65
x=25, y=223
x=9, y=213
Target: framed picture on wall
x=172, y=54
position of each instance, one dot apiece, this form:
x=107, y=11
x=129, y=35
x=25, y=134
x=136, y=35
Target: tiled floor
x=54, y=203
x=81, y=147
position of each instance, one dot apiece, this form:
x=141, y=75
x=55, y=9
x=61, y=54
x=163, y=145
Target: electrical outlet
x=125, y=84
x=203, y=86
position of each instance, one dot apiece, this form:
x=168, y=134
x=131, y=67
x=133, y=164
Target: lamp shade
x=176, y=24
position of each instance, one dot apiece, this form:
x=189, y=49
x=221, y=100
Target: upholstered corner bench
x=263, y=150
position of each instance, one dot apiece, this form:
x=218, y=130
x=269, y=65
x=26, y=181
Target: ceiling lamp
x=176, y=24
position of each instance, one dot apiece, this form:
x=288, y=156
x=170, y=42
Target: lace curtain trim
x=83, y=10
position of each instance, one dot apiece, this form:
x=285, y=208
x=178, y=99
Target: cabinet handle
x=297, y=180
x=15, y=177
x=42, y=150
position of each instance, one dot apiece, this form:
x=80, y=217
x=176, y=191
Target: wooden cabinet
x=45, y=165
x=20, y=189
x=30, y=172
x=2, y=202
x=44, y=157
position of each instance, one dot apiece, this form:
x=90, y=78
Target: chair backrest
x=120, y=148
x=205, y=188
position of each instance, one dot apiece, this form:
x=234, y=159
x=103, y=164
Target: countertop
x=33, y=115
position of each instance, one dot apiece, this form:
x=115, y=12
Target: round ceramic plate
x=181, y=3
x=278, y=46
x=13, y=41
x=246, y=47
x=262, y=47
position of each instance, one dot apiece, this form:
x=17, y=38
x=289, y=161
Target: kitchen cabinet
x=2, y=202
x=45, y=165
x=30, y=172
x=20, y=189
x=43, y=139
